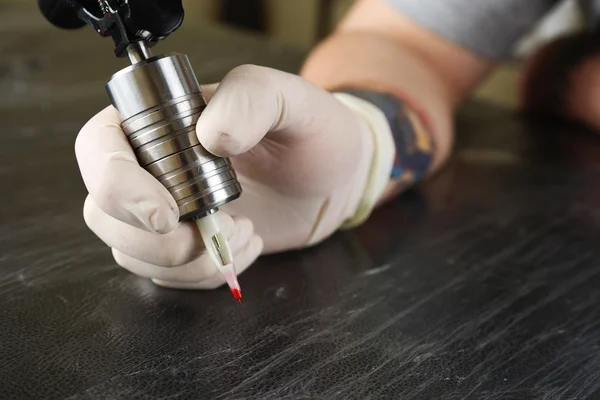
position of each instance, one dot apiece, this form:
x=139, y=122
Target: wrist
x=380, y=148
x=404, y=146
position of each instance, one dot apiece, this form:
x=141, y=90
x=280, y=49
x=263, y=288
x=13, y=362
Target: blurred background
x=302, y=23
x=305, y=22
x=296, y=22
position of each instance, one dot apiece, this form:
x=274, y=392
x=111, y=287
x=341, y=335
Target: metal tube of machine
x=160, y=100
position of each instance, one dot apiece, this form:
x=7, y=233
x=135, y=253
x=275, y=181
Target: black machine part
x=126, y=21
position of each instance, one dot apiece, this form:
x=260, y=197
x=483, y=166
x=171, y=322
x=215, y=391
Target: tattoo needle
x=219, y=251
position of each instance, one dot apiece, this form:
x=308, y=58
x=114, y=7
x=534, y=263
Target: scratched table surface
x=483, y=283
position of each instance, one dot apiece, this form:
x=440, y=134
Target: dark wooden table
x=482, y=284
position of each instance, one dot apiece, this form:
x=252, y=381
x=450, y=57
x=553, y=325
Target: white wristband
x=383, y=156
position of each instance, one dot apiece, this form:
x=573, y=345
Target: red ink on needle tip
x=228, y=272
x=237, y=294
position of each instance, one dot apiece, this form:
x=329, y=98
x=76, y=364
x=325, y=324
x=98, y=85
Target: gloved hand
x=308, y=162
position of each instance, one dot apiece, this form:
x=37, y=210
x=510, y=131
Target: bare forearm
x=368, y=61
x=375, y=48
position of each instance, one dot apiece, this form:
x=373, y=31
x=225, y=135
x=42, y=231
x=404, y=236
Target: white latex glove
x=307, y=163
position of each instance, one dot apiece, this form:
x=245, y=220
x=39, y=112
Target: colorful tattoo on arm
x=414, y=142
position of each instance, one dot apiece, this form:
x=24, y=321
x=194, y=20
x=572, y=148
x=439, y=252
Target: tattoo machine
x=160, y=100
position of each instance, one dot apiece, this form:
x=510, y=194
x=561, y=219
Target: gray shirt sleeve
x=490, y=28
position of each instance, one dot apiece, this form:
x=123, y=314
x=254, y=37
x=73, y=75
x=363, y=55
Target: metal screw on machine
x=160, y=101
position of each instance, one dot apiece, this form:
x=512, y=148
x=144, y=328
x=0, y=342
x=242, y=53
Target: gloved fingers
x=252, y=101
x=115, y=180
x=208, y=90
x=198, y=269
x=178, y=247
x=243, y=259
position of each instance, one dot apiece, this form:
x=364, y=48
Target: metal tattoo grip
x=160, y=101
